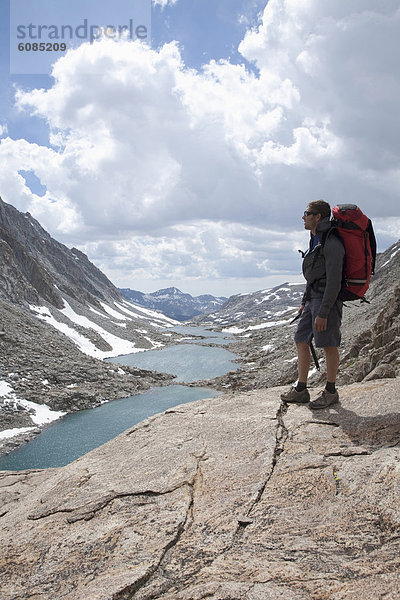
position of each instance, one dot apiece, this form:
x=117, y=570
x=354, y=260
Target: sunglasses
x=306, y=213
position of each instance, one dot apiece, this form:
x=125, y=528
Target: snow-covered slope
x=265, y=305
x=111, y=326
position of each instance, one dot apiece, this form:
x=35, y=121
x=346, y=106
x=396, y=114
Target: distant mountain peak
x=174, y=303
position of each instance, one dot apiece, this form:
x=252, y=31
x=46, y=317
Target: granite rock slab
x=235, y=497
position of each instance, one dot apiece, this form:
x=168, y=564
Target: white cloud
x=3, y=129
x=178, y=171
x=390, y=228
x=200, y=251
x=164, y=3
x=340, y=57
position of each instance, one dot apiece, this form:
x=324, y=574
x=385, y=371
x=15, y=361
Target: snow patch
x=10, y=433
x=233, y=330
x=113, y=313
x=255, y=327
x=5, y=388
x=97, y=312
x=266, y=325
x=41, y=414
x=268, y=348
x=391, y=257
x=146, y=311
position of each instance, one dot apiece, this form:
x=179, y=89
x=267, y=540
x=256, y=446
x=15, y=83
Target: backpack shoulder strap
x=331, y=231
x=372, y=241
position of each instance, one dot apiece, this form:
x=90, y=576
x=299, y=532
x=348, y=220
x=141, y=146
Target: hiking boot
x=324, y=400
x=294, y=396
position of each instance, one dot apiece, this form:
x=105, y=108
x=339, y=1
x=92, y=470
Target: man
x=321, y=310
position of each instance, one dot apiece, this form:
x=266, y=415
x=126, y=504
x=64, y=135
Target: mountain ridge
x=46, y=267
x=174, y=303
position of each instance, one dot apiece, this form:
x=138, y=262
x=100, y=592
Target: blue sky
x=189, y=162
x=205, y=29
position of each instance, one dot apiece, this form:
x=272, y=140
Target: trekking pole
x=295, y=319
x=314, y=355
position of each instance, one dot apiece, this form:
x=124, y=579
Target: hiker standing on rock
x=321, y=309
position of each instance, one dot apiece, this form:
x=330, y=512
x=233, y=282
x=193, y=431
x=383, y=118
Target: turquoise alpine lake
x=189, y=362
x=77, y=433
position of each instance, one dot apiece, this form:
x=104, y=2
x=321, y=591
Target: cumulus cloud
x=203, y=251
x=164, y=3
x=187, y=172
x=133, y=149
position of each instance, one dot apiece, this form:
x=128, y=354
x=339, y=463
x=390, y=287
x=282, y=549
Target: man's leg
x=303, y=333
x=300, y=393
x=304, y=361
x=329, y=395
x=332, y=363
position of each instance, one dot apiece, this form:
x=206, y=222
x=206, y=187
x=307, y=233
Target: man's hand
x=320, y=324
x=301, y=309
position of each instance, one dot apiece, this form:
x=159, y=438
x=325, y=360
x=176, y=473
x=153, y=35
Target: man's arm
x=334, y=256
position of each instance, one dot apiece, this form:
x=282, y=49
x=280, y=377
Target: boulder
x=382, y=371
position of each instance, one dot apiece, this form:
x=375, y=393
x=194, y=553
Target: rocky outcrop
x=375, y=352
x=235, y=497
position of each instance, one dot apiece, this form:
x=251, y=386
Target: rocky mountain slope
x=36, y=268
x=265, y=305
x=174, y=303
x=61, y=315
x=234, y=497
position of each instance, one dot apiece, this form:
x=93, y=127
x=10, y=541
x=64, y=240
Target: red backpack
x=358, y=238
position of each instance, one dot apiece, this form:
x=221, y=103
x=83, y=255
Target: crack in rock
x=88, y=511
x=348, y=452
x=129, y=592
x=18, y=478
x=329, y=423
x=281, y=436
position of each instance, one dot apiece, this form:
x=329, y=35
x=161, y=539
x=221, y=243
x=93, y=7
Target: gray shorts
x=323, y=339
